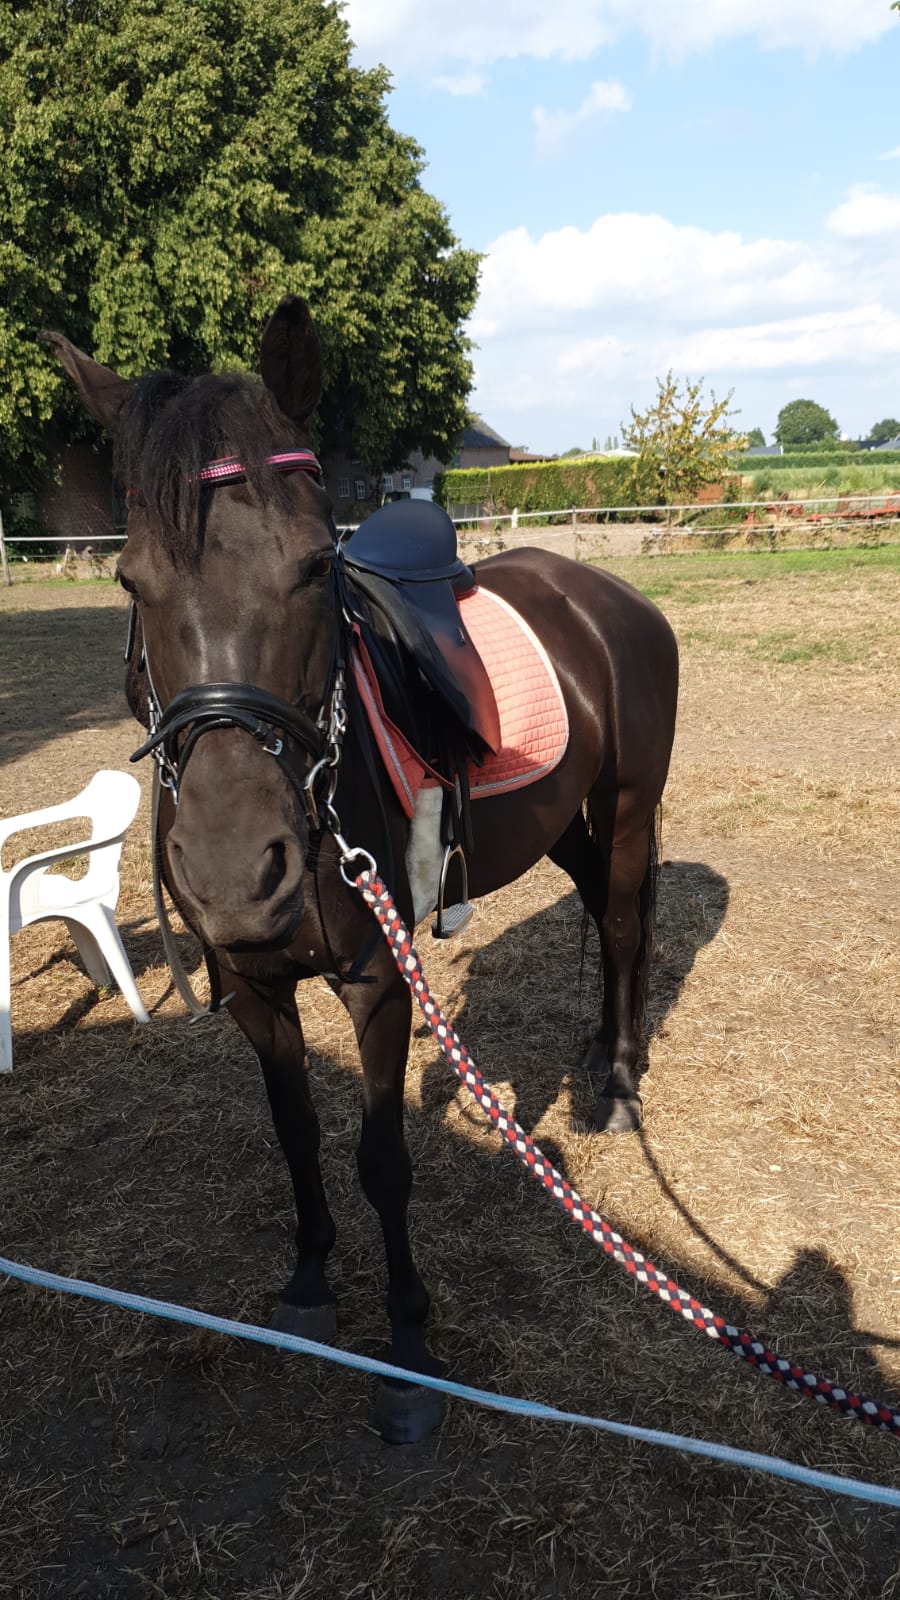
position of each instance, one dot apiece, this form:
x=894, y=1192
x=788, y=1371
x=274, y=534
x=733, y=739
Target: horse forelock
x=171, y=426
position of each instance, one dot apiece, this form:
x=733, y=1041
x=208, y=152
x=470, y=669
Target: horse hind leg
x=626, y=930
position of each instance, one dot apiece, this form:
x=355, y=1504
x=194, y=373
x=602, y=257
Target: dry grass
x=143, y=1460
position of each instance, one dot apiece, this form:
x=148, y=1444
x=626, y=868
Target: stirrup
x=450, y=920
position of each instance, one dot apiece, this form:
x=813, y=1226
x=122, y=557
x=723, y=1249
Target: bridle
x=265, y=716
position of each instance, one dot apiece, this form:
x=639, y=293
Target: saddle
x=403, y=575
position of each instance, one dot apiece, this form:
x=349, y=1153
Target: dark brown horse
x=236, y=585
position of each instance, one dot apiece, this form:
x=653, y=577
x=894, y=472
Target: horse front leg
x=381, y=1015
x=267, y=1016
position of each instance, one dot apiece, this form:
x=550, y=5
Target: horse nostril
x=276, y=866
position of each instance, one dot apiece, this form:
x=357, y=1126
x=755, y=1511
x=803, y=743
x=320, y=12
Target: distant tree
x=882, y=431
x=686, y=438
x=611, y=442
x=756, y=439
x=804, y=422
x=168, y=171
x=576, y=450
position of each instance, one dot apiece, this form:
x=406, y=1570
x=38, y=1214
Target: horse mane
x=170, y=426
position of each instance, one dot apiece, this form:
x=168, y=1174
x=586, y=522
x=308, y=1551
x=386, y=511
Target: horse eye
x=318, y=568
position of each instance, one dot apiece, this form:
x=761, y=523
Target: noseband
x=222, y=705
x=206, y=706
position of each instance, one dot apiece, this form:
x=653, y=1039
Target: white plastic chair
x=31, y=893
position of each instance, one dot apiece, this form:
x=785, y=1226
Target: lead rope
x=745, y=1345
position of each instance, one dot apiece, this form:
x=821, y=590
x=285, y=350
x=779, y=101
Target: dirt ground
x=139, y=1459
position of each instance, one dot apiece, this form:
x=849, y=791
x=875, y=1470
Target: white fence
x=680, y=515
x=802, y=514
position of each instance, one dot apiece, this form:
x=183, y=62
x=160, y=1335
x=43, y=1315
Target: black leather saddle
x=404, y=574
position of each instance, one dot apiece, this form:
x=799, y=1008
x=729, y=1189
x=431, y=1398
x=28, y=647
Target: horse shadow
x=531, y=974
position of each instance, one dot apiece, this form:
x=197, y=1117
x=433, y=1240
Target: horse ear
x=101, y=389
x=290, y=358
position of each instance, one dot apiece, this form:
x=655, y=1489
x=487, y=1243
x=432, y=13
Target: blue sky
x=711, y=186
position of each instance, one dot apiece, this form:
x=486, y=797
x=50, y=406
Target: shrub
x=597, y=481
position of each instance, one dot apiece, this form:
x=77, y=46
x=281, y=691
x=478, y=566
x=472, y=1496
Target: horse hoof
x=318, y=1323
x=405, y=1413
x=618, y=1116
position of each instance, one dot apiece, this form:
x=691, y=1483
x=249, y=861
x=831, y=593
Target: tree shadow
x=61, y=672
x=537, y=963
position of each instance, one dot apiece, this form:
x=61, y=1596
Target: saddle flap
x=422, y=625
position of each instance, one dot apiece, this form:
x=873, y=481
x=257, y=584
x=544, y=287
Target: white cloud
x=890, y=155
x=576, y=324
x=869, y=213
x=553, y=128
x=412, y=35
x=850, y=337
x=630, y=262
x=464, y=83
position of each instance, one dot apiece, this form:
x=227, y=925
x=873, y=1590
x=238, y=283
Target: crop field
x=140, y=1459
x=809, y=482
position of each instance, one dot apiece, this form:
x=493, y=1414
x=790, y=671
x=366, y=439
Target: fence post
x=4, y=560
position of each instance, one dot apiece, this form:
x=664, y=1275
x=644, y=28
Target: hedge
x=550, y=485
x=819, y=458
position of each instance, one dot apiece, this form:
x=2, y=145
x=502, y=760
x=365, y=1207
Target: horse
x=234, y=579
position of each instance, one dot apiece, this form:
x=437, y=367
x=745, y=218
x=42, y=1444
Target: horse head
x=232, y=576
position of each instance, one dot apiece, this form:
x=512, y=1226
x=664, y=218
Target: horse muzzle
x=239, y=889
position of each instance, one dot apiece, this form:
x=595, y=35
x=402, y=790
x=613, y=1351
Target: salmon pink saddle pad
x=534, y=724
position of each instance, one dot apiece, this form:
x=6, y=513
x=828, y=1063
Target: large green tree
x=169, y=170
x=684, y=438
x=888, y=428
x=804, y=422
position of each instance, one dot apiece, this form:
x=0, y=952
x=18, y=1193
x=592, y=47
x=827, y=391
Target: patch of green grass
x=791, y=647
x=781, y=648
x=670, y=574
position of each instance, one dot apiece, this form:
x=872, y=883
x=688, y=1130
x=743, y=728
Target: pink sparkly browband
x=230, y=470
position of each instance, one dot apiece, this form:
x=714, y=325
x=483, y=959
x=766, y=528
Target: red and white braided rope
x=742, y=1344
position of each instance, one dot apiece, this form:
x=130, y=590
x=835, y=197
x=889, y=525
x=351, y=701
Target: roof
x=764, y=450
x=478, y=436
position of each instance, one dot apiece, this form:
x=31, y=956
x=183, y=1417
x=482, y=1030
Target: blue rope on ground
x=877, y=1494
